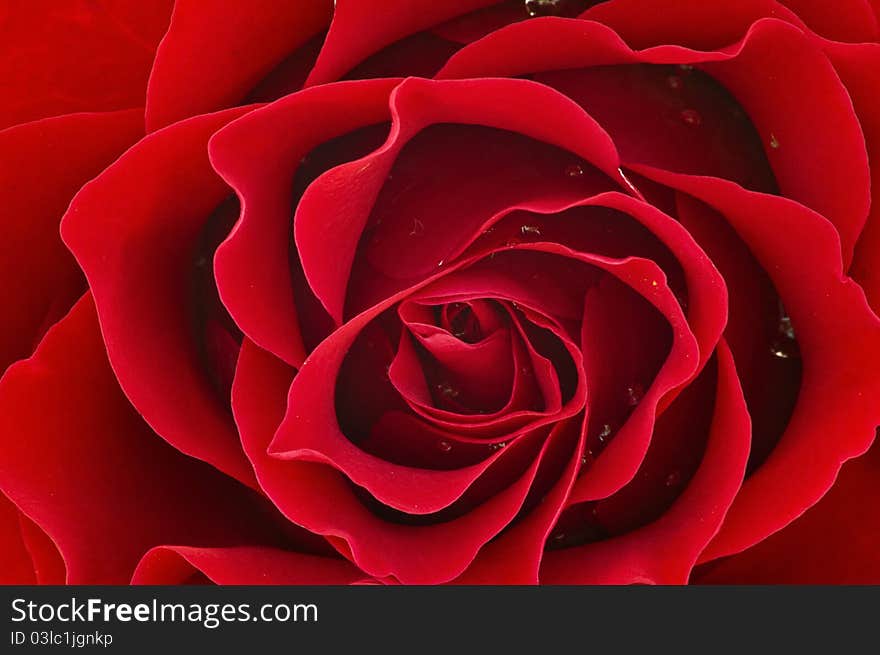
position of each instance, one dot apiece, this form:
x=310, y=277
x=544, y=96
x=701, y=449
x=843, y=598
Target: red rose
x=547, y=291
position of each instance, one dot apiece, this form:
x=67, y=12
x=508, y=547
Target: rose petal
x=348, y=42
x=694, y=24
x=859, y=68
x=96, y=495
x=335, y=208
x=514, y=557
x=214, y=53
x=60, y=58
x=134, y=231
x=839, y=338
x=835, y=542
x=242, y=565
x=768, y=71
x=41, y=279
x=18, y=568
x=49, y=566
x=665, y=551
x=321, y=499
x=258, y=156
x=847, y=20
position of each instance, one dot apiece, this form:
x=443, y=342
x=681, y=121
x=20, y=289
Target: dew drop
x=778, y=350
x=687, y=68
x=530, y=230
x=444, y=446
x=559, y=537
x=774, y=142
x=604, y=433
x=682, y=299
x=535, y=8
x=634, y=394
x=784, y=345
x=673, y=479
x=691, y=117
x=498, y=446
x=574, y=170
x=447, y=390
x=587, y=457
x=417, y=228
x=440, y=264
x=785, y=327
x=673, y=82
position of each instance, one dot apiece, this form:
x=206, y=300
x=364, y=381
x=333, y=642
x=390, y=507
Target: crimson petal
x=95, y=494
x=214, y=53
x=134, y=231
x=42, y=280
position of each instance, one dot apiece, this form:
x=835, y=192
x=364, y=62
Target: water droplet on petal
x=682, y=299
x=447, y=390
x=673, y=82
x=604, y=433
x=535, y=8
x=687, y=68
x=440, y=263
x=587, y=457
x=774, y=142
x=417, y=228
x=444, y=446
x=673, y=479
x=634, y=394
x=779, y=350
x=574, y=170
x=530, y=230
x=785, y=344
x=691, y=117
x=498, y=446
x=559, y=537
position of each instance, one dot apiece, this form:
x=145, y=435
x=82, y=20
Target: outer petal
x=359, y=30
x=836, y=541
x=40, y=279
x=134, y=231
x=692, y=23
x=773, y=66
x=64, y=57
x=215, y=52
x=859, y=68
x=844, y=20
x=839, y=337
x=242, y=565
x=78, y=459
x=17, y=567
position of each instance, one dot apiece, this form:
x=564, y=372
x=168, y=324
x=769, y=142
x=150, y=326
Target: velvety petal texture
x=77, y=56
x=475, y=292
